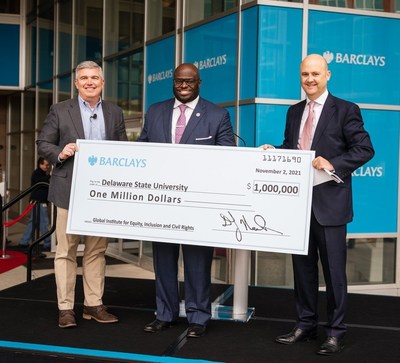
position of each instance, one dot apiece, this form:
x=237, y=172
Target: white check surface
x=227, y=197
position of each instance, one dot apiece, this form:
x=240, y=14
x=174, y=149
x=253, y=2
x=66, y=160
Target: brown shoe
x=98, y=313
x=66, y=319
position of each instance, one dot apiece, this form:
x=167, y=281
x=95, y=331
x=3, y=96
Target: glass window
x=160, y=17
x=44, y=102
x=31, y=47
x=370, y=261
x=28, y=158
x=46, y=40
x=13, y=175
x=124, y=86
x=13, y=149
x=28, y=119
x=89, y=30
x=203, y=9
x=369, y=4
x=335, y=3
x=64, y=88
x=124, y=24
x=15, y=113
x=374, y=5
x=9, y=6
x=64, y=36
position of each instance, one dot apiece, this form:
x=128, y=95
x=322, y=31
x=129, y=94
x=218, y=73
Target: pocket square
x=203, y=138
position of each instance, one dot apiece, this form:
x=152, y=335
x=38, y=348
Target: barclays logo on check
x=118, y=162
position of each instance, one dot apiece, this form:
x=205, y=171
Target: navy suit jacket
x=209, y=125
x=63, y=125
x=340, y=138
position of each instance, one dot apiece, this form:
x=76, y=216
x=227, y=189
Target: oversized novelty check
x=229, y=197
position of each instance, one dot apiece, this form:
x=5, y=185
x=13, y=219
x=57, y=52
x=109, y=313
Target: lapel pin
x=197, y=114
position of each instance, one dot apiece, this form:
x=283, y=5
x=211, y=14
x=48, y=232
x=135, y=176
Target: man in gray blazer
x=84, y=117
x=185, y=119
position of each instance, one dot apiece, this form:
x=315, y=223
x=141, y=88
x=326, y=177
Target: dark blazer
x=63, y=125
x=340, y=138
x=208, y=125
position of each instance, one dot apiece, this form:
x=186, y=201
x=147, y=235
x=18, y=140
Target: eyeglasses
x=190, y=82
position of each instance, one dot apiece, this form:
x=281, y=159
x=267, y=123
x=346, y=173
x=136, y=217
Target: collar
x=321, y=99
x=191, y=104
x=86, y=104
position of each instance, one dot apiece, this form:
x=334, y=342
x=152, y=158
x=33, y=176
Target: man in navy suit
x=86, y=116
x=208, y=124
x=341, y=145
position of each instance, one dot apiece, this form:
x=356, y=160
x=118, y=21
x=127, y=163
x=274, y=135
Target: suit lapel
x=298, y=114
x=197, y=115
x=166, y=112
x=326, y=115
x=76, y=119
x=107, y=119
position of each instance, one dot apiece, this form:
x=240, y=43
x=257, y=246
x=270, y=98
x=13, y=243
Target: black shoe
x=330, y=346
x=297, y=335
x=195, y=330
x=157, y=326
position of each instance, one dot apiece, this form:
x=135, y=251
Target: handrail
x=40, y=238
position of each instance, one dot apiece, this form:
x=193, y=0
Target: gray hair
x=88, y=64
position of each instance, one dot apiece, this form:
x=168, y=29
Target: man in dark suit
x=341, y=145
x=84, y=117
x=207, y=124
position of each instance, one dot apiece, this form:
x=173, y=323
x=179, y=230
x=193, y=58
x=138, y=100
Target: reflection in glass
x=89, y=28
x=15, y=113
x=28, y=158
x=13, y=177
x=31, y=34
x=9, y=7
x=124, y=82
x=45, y=101
x=392, y=6
x=124, y=24
x=204, y=9
x=46, y=40
x=370, y=261
x=160, y=17
x=64, y=36
x=64, y=88
x=28, y=121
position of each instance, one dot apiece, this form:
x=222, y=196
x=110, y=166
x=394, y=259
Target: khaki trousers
x=65, y=265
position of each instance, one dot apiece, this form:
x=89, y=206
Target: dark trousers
x=329, y=244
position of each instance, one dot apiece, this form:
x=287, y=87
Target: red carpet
x=16, y=259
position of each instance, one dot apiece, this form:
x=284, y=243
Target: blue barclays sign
x=360, y=62
x=212, y=47
x=160, y=64
x=375, y=184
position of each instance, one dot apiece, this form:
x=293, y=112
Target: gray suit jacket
x=63, y=125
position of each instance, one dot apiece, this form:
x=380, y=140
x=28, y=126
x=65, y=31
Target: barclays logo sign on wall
x=160, y=76
x=369, y=171
x=211, y=62
x=118, y=162
x=355, y=59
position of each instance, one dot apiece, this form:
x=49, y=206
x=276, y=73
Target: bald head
x=314, y=75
